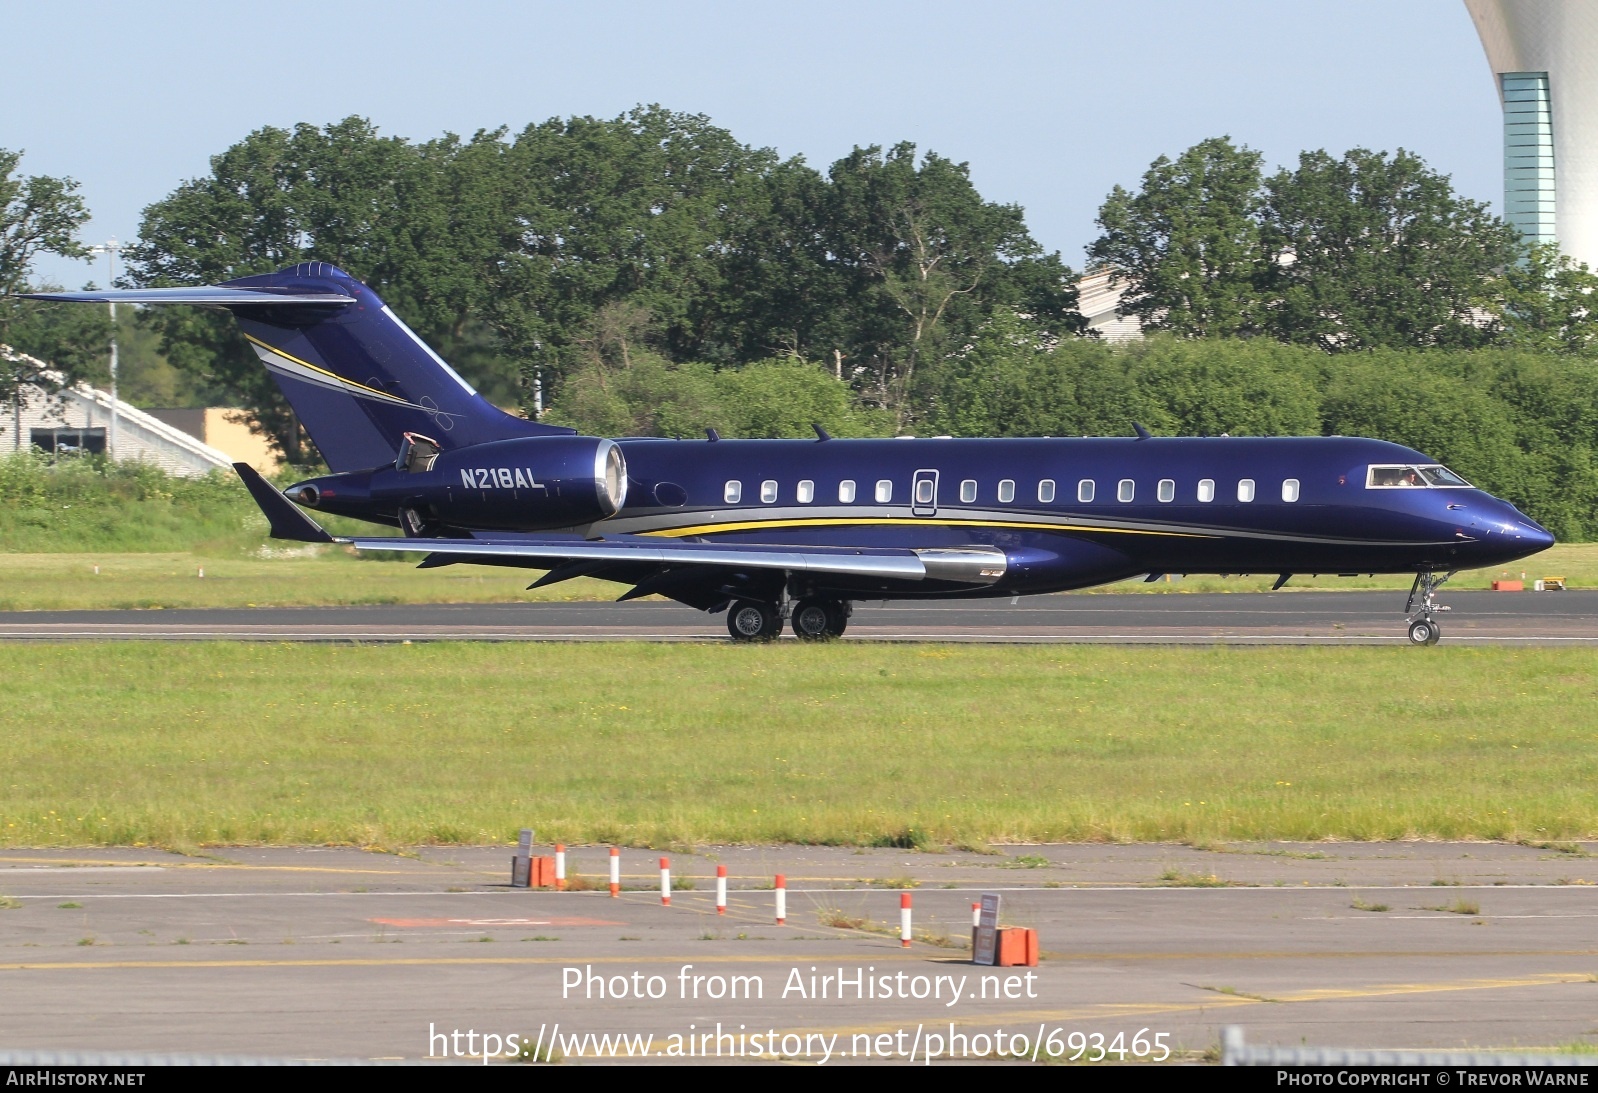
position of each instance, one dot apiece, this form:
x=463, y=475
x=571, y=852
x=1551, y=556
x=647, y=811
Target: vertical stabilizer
x=358, y=378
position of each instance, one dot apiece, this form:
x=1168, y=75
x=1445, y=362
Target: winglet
x=287, y=521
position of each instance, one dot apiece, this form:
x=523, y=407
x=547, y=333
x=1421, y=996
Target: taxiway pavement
x=1283, y=618
x=339, y=953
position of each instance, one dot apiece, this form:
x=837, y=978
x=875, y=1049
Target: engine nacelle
x=527, y=484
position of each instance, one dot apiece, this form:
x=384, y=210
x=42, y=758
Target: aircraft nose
x=1537, y=537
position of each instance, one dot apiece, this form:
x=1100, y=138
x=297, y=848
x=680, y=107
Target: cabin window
x=733, y=493
x=1290, y=489
x=1206, y=490
x=846, y=491
x=884, y=491
x=1126, y=489
x=1046, y=490
x=1166, y=491
x=1007, y=491
x=806, y=492
x=1245, y=490
x=924, y=491
x=968, y=491
x=768, y=491
x=1084, y=490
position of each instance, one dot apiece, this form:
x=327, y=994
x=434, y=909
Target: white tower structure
x=1544, y=58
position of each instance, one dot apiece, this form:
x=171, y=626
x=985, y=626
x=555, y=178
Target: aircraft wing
x=973, y=565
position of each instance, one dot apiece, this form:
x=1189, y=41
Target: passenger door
x=924, y=494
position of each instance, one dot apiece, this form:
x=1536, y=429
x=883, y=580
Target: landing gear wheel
x=1423, y=607
x=1424, y=632
x=748, y=620
x=817, y=619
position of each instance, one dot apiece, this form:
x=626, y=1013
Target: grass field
x=317, y=576
x=849, y=744
x=331, y=575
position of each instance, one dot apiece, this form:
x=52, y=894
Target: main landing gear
x=813, y=619
x=816, y=619
x=1423, y=608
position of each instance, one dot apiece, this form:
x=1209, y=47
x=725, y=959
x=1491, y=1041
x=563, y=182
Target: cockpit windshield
x=1412, y=476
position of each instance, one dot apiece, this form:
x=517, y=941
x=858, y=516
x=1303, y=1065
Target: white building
x=1099, y=302
x=78, y=418
x=1544, y=59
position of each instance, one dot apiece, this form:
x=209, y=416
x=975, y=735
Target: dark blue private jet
x=796, y=530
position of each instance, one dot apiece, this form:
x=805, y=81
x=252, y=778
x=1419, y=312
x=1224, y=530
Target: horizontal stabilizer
x=287, y=521
x=212, y=295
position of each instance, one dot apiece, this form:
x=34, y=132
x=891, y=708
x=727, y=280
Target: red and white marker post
x=721, y=889
x=665, y=882
x=904, y=919
x=560, y=867
x=976, y=915
x=615, y=872
x=782, y=899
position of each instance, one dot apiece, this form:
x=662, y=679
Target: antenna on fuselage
x=1142, y=433
x=712, y=436
x=821, y=434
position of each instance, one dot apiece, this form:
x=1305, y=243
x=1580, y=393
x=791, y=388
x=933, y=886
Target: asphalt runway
x=1282, y=618
x=339, y=953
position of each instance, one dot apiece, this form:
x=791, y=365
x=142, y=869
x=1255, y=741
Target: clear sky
x=1050, y=103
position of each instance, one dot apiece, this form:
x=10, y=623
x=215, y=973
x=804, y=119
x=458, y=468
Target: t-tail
x=358, y=378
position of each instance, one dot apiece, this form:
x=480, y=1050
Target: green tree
x=1211, y=386
x=1008, y=381
x=629, y=208
x=42, y=215
x=1376, y=250
x=1547, y=302
x=419, y=223
x=516, y=254
x=1187, y=245
x=918, y=242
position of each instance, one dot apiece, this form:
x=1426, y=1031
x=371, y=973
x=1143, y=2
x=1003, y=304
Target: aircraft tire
x=750, y=620
x=1424, y=632
x=814, y=620
x=840, y=618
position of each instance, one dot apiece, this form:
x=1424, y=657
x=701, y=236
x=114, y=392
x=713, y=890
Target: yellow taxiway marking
x=1121, y=1010
x=1337, y=994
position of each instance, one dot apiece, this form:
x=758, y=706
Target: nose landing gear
x=1422, y=608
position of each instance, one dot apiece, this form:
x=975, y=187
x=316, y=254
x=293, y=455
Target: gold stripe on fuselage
x=922, y=521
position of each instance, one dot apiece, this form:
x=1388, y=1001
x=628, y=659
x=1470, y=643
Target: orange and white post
x=904, y=919
x=721, y=889
x=560, y=867
x=615, y=872
x=665, y=882
x=782, y=899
